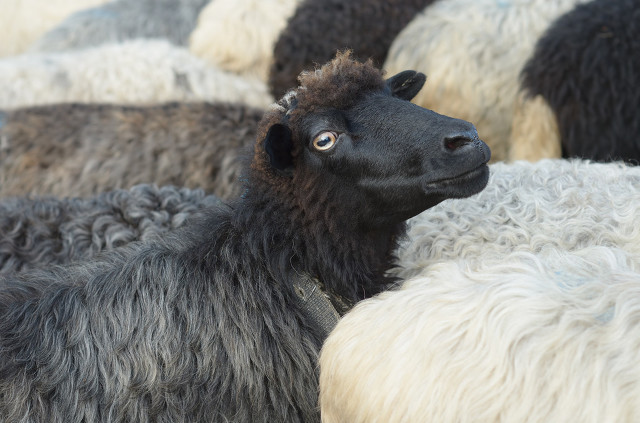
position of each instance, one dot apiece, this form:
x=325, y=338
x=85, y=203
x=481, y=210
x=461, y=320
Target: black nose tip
x=460, y=139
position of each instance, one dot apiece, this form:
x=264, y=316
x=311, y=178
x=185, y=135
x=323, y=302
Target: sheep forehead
x=339, y=83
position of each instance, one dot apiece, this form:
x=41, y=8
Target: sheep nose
x=459, y=139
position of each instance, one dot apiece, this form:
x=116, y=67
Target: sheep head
x=347, y=136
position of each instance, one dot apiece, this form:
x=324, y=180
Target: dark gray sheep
x=85, y=149
x=36, y=232
x=121, y=20
x=209, y=324
x=586, y=70
x=319, y=28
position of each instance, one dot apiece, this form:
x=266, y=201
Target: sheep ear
x=278, y=145
x=407, y=84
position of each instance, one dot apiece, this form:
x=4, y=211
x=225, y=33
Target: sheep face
x=389, y=158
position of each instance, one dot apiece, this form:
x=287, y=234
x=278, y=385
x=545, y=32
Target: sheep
x=84, y=149
x=584, y=69
x=24, y=21
x=567, y=204
x=37, y=232
x=473, y=51
x=211, y=322
x=550, y=337
x=133, y=72
x=122, y=20
x=239, y=36
x=318, y=28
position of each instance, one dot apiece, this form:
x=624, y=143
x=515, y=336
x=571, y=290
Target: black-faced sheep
x=473, y=52
x=211, y=323
x=84, y=149
x=552, y=337
x=131, y=72
x=585, y=69
x=319, y=28
x=122, y=20
x=239, y=35
x=36, y=232
x=24, y=21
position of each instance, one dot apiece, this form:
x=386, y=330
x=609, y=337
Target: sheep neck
x=322, y=242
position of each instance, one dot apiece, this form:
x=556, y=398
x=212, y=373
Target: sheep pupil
x=324, y=141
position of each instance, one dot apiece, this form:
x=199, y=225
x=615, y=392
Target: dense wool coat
x=566, y=204
x=319, y=28
x=206, y=324
x=40, y=231
x=122, y=20
x=585, y=69
x=130, y=72
x=84, y=149
x=239, y=35
x=537, y=338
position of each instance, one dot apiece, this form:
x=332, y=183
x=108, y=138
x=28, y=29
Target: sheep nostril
x=453, y=143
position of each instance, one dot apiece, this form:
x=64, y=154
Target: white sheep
x=526, y=207
x=548, y=337
x=140, y=71
x=472, y=52
x=24, y=21
x=239, y=35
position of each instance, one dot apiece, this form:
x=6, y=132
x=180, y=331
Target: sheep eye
x=325, y=141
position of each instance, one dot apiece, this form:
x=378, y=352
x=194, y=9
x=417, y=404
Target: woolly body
x=134, y=72
x=551, y=337
x=84, y=149
x=239, y=35
x=472, y=52
x=24, y=21
x=206, y=324
x=122, y=20
x=319, y=28
x=568, y=205
x=585, y=68
x=36, y=232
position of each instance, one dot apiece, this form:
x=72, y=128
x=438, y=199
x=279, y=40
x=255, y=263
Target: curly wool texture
x=24, y=21
x=38, y=232
x=551, y=337
x=527, y=207
x=585, y=67
x=85, y=149
x=132, y=72
x=239, y=35
x=472, y=52
x=122, y=20
x=318, y=29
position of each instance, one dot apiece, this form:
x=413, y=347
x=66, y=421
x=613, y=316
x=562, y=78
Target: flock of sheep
x=219, y=210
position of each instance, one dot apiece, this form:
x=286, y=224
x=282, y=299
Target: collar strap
x=323, y=308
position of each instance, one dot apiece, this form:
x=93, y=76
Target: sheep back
x=318, y=29
x=84, y=149
x=585, y=68
x=547, y=337
x=132, y=72
x=40, y=231
x=239, y=35
x=117, y=21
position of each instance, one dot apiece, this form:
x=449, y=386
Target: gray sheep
x=36, y=232
x=121, y=20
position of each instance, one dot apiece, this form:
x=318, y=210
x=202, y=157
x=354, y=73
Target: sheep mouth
x=470, y=177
